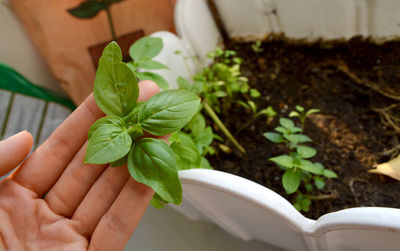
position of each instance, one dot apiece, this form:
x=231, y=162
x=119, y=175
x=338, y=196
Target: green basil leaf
x=305, y=204
x=311, y=111
x=306, y=152
x=286, y=123
x=308, y=166
x=183, y=83
x=281, y=130
x=299, y=108
x=151, y=65
x=156, y=78
x=157, y=201
x=203, y=138
x=329, y=173
x=283, y=160
x=152, y=162
x=87, y=9
x=186, y=153
x=297, y=138
x=196, y=124
x=319, y=182
x=205, y=164
x=108, y=143
x=168, y=111
x=115, y=89
x=274, y=137
x=146, y=48
x=103, y=121
x=291, y=180
x=122, y=161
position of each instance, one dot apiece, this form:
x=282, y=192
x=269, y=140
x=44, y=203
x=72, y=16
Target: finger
x=147, y=89
x=117, y=225
x=64, y=200
x=41, y=170
x=61, y=198
x=14, y=150
x=100, y=198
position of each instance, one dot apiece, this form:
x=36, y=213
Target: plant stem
x=249, y=122
x=221, y=126
x=110, y=21
x=323, y=197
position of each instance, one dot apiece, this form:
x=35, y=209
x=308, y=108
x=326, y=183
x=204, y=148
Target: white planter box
x=243, y=208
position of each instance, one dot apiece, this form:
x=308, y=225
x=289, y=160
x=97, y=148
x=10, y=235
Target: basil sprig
x=118, y=137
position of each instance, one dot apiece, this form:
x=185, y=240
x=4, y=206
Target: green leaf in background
x=306, y=152
x=203, y=138
x=308, y=166
x=156, y=78
x=183, y=83
x=186, y=153
x=105, y=120
x=291, y=180
x=108, y=143
x=283, y=160
x=88, y=9
x=297, y=138
x=311, y=111
x=319, y=182
x=274, y=137
x=168, y=111
x=281, y=130
x=205, y=164
x=286, y=123
x=329, y=173
x=151, y=65
x=116, y=89
x=152, y=162
x=146, y=48
x=197, y=124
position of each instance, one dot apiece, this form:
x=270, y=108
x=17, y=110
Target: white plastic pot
x=241, y=207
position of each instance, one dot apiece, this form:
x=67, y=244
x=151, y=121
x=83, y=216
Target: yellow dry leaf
x=390, y=168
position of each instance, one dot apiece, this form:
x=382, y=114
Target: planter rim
x=382, y=218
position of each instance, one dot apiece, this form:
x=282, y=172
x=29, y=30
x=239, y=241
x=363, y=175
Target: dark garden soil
x=348, y=83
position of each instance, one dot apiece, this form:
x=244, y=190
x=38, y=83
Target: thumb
x=14, y=150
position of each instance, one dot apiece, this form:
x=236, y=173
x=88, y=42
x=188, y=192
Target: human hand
x=54, y=201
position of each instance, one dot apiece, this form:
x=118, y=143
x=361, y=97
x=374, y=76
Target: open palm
x=55, y=202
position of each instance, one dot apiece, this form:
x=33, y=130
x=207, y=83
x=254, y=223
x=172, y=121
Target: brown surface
x=63, y=40
x=347, y=133
x=124, y=43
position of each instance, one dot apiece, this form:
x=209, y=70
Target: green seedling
x=256, y=46
x=118, y=138
x=302, y=114
x=297, y=164
x=219, y=86
x=90, y=8
x=192, y=144
x=255, y=113
x=143, y=52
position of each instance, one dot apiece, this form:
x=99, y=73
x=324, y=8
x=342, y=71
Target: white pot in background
x=243, y=208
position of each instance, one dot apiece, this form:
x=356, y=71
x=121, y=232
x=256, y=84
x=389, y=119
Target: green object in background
x=25, y=106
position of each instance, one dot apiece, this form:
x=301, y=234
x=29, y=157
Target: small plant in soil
x=221, y=85
x=119, y=137
x=255, y=113
x=256, y=46
x=296, y=164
